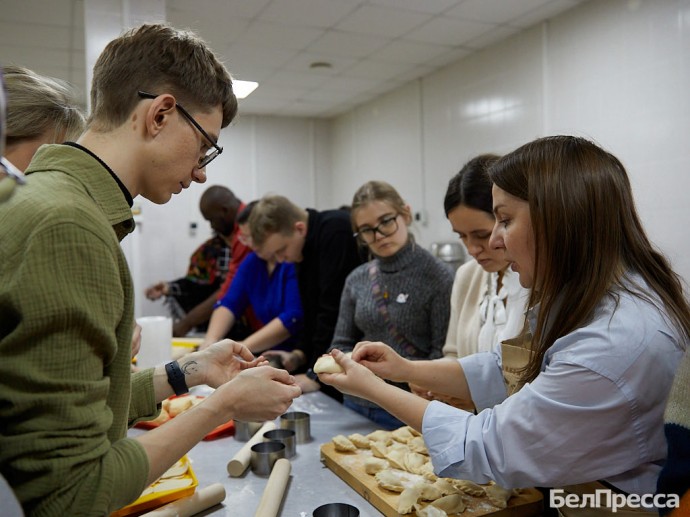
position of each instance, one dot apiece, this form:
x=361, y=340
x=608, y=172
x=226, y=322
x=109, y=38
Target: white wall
x=616, y=71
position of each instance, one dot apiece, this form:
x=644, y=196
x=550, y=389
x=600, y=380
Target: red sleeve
x=238, y=252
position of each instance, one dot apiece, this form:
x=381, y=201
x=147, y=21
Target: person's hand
x=258, y=394
x=136, y=340
x=306, y=384
x=290, y=360
x=354, y=380
x=382, y=360
x=219, y=363
x=155, y=291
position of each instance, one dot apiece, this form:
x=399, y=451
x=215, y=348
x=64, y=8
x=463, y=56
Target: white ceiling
x=373, y=46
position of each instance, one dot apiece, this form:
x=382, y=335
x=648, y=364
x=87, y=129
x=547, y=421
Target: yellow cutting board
x=349, y=466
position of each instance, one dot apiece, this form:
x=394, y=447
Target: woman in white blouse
x=487, y=303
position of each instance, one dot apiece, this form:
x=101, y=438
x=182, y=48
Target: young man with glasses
x=67, y=300
x=324, y=250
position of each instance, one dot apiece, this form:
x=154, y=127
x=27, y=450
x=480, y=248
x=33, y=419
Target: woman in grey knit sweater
x=401, y=297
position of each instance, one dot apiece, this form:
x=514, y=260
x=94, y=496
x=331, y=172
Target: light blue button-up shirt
x=594, y=412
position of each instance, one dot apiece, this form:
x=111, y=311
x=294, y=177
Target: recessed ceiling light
x=243, y=88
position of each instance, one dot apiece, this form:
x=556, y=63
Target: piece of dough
x=342, y=444
x=427, y=471
x=429, y=511
x=430, y=492
x=453, y=503
x=360, y=441
x=397, y=446
x=469, y=487
x=178, y=469
x=178, y=405
x=402, y=434
x=378, y=449
x=498, y=496
x=417, y=444
x=396, y=458
x=389, y=480
x=172, y=484
x=408, y=498
x=380, y=436
x=445, y=486
x=373, y=465
x=327, y=364
x=414, y=461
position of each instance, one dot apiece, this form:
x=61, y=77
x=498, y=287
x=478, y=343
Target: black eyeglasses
x=386, y=227
x=14, y=178
x=212, y=153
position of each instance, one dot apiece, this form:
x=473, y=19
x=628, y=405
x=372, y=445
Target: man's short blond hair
x=274, y=214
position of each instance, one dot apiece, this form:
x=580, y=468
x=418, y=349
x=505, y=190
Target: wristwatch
x=176, y=378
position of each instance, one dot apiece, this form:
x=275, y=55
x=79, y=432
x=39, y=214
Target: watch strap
x=176, y=378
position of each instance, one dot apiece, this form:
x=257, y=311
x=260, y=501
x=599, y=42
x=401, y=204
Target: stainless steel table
x=311, y=483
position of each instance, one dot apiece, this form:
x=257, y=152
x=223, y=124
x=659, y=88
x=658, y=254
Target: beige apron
x=515, y=355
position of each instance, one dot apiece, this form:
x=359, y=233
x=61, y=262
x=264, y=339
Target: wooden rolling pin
x=193, y=504
x=275, y=488
x=239, y=463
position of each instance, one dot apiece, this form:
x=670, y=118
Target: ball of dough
x=326, y=364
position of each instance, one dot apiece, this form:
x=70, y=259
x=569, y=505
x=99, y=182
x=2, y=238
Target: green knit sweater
x=66, y=320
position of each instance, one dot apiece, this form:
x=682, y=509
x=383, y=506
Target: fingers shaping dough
x=327, y=364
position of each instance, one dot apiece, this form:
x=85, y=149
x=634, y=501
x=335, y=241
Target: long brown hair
x=588, y=235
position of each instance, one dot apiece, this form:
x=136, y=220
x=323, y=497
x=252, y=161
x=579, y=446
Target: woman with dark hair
x=572, y=403
x=487, y=303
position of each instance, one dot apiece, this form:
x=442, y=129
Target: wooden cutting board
x=349, y=466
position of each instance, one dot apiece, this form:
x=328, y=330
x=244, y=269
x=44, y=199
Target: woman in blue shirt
x=574, y=405
x=271, y=289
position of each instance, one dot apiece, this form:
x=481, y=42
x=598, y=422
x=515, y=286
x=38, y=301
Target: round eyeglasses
x=387, y=227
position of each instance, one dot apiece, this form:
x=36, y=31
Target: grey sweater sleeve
x=346, y=335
